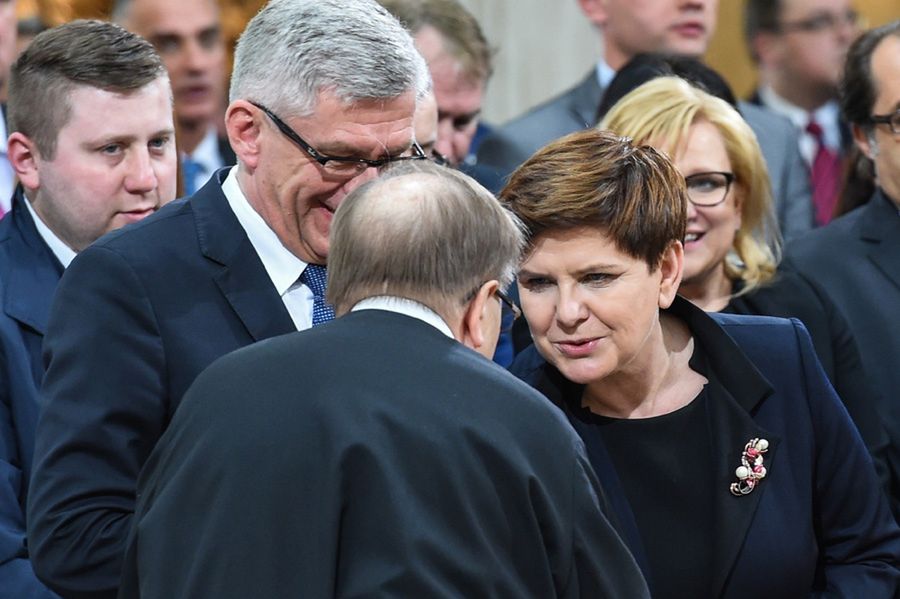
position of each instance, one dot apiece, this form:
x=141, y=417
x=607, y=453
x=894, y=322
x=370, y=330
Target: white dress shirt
x=409, y=307
x=63, y=253
x=827, y=116
x=207, y=156
x=283, y=267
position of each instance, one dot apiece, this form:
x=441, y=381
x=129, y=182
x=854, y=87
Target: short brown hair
x=593, y=178
x=463, y=38
x=422, y=232
x=90, y=53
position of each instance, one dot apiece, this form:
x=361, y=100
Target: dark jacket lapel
x=34, y=271
x=880, y=228
x=585, y=100
x=242, y=278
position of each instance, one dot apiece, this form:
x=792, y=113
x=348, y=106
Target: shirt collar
x=207, y=153
x=827, y=115
x=408, y=307
x=63, y=253
x=283, y=267
x=605, y=74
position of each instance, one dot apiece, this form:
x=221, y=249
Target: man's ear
x=865, y=140
x=595, y=11
x=24, y=159
x=479, y=324
x=242, y=124
x=671, y=267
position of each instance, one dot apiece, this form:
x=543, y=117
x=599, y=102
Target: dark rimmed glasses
x=339, y=166
x=887, y=119
x=708, y=189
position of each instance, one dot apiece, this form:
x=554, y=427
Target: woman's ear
x=671, y=268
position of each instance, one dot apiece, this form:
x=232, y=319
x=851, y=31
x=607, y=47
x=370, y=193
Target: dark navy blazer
x=137, y=316
x=29, y=273
x=818, y=522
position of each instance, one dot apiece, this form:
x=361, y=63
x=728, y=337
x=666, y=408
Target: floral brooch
x=751, y=470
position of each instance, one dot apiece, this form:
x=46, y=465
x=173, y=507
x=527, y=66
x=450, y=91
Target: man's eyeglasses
x=822, y=22
x=887, y=119
x=708, y=189
x=516, y=311
x=340, y=166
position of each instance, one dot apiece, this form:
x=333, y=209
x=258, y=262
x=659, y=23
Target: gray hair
x=292, y=50
x=423, y=232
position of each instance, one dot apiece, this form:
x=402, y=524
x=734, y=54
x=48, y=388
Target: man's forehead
x=165, y=17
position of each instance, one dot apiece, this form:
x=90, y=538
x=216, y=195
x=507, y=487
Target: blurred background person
x=459, y=58
x=856, y=258
x=717, y=438
x=188, y=36
x=8, y=54
x=799, y=47
x=628, y=28
x=729, y=264
x=93, y=144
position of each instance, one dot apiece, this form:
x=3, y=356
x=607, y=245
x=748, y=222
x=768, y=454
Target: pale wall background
x=546, y=46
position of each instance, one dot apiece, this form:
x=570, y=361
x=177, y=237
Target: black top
x=666, y=469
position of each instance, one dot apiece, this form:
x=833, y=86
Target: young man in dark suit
x=379, y=455
x=93, y=145
x=856, y=258
x=322, y=95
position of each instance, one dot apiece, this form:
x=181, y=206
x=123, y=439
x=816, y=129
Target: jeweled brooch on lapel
x=751, y=470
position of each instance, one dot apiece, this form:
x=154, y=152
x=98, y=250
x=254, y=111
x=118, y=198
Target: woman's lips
x=577, y=348
x=690, y=29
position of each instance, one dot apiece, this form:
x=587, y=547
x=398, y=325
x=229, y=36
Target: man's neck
x=807, y=97
x=190, y=135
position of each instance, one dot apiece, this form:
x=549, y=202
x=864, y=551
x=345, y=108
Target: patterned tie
x=190, y=170
x=315, y=277
x=825, y=176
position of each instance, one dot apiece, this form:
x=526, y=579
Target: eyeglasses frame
x=887, y=119
x=323, y=159
x=729, y=180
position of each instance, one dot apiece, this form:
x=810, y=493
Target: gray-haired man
x=322, y=95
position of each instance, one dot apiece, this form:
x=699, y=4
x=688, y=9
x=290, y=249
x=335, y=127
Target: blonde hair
x=664, y=109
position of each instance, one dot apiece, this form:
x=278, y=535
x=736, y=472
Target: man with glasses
x=800, y=47
x=856, y=258
x=322, y=96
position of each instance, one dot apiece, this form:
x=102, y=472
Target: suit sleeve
x=858, y=394
x=601, y=565
x=104, y=411
x=17, y=579
x=859, y=540
x=793, y=194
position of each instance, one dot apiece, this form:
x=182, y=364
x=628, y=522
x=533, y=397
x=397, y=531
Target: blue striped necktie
x=315, y=277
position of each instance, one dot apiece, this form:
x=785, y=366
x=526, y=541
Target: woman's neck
x=711, y=293
x=655, y=384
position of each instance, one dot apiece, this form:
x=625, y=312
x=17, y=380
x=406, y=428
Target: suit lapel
x=880, y=227
x=242, y=278
x=586, y=99
x=731, y=427
x=34, y=271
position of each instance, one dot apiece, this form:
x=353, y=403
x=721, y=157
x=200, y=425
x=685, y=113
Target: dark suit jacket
x=789, y=295
x=856, y=260
x=370, y=457
x=29, y=273
x=136, y=317
x=576, y=109
x=817, y=520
